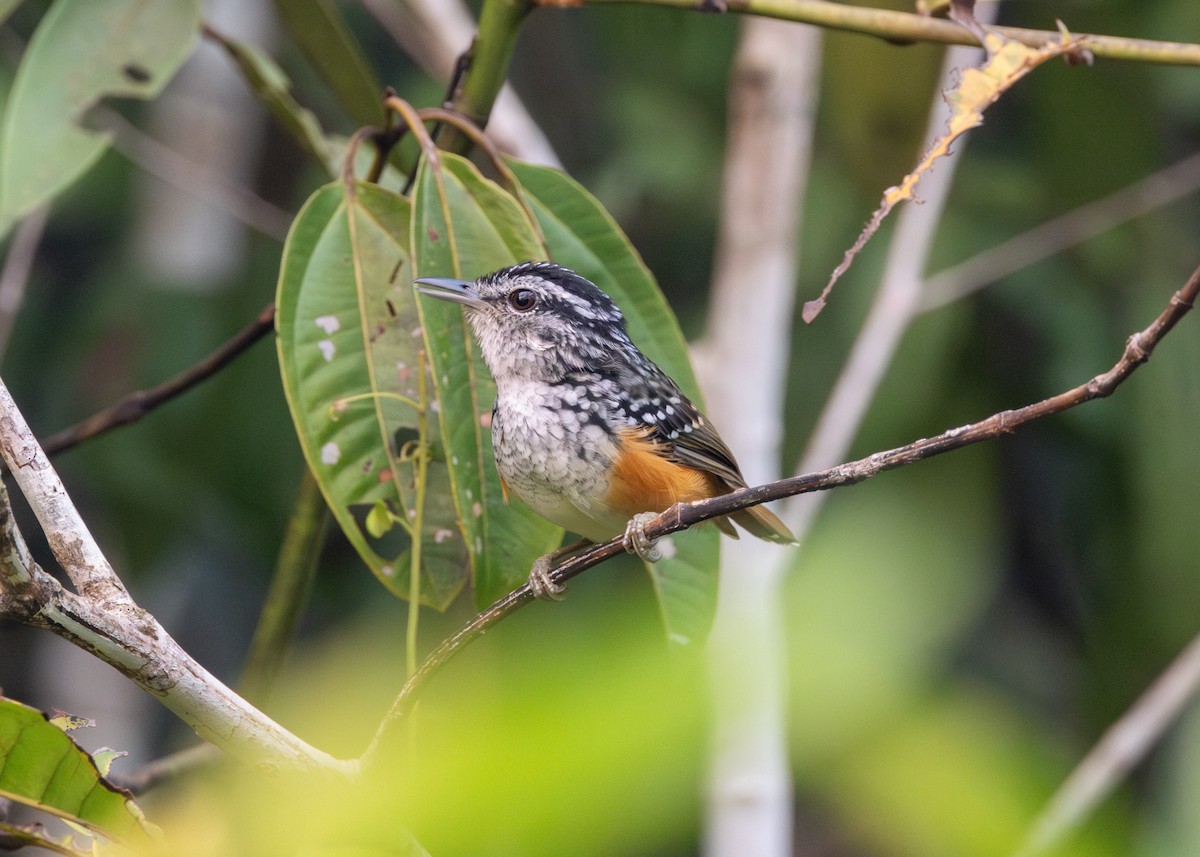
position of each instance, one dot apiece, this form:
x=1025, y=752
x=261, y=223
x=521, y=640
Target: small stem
x=418, y=529
x=904, y=27
x=290, y=589
x=499, y=23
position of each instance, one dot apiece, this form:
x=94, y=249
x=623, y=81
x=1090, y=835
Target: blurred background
x=960, y=632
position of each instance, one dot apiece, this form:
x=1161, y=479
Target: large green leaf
x=464, y=226
x=81, y=53
x=580, y=234
x=40, y=766
x=349, y=345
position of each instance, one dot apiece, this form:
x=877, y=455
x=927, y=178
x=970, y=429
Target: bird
x=586, y=430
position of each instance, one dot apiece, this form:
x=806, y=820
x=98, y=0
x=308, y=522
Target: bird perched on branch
x=586, y=430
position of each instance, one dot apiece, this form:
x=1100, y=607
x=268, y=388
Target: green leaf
x=40, y=766
x=464, y=226
x=81, y=53
x=332, y=49
x=350, y=353
x=580, y=234
x=273, y=88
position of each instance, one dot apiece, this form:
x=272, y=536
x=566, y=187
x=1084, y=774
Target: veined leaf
x=81, y=53
x=350, y=351
x=464, y=226
x=40, y=766
x=580, y=234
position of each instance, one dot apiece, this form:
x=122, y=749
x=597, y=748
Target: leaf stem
x=290, y=589
x=422, y=462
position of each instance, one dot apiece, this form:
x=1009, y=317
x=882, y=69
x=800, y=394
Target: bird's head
x=537, y=320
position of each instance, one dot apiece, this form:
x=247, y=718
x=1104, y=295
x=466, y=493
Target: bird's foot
x=542, y=584
x=635, y=538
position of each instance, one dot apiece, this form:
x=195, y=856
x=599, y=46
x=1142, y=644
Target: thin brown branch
x=905, y=27
x=1138, y=349
x=140, y=402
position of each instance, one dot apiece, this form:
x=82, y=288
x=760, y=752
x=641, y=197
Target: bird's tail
x=762, y=522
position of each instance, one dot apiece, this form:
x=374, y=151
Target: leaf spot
x=440, y=536
x=433, y=235
x=485, y=419
x=330, y=453
x=327, y=349
x=477, y=509
x=385, y=476
x=328, y=323
x=387, y=571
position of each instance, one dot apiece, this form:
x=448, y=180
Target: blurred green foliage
x=960, y=631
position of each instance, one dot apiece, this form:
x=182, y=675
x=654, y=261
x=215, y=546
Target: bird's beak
x=448, y=289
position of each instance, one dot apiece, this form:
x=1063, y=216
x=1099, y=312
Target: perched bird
x=586, y=430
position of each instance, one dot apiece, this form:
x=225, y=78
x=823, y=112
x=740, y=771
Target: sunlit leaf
x=580, y=234
x=349, y=346
x=41, y=767
x=464, y=226
x=81, y=53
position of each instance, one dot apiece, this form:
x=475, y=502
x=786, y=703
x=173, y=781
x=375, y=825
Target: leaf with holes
x=41, y=767
x=81, y=53
x=464, y=226
x=580, y=234
x=350, y=350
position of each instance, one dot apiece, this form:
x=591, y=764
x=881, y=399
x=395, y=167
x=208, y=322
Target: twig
x=906, y=27
x=1137, y=351
x=1121, y=747
x=140, y=402
x=892, y=310
x=14, y=277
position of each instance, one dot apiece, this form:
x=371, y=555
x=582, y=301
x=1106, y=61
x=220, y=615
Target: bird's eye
x=522, y=300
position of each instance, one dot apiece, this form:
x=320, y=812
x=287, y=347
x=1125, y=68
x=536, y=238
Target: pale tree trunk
x=743, y=365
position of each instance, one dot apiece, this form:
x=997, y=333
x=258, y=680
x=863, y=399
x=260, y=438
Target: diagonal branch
x=101, y=617
x=1138, y=349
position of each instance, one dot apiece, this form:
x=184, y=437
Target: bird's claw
x=542, y=584
x=637, y=543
